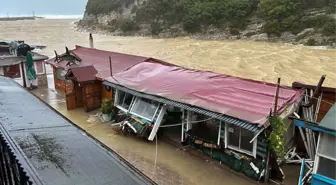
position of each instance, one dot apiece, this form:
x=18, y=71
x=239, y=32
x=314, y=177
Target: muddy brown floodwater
x=173, y=166
x=254, y=60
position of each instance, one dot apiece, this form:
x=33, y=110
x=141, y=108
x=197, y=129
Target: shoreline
x=202, y=37
x=20, y=18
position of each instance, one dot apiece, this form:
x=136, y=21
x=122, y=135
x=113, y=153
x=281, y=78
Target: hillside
x=310, y=22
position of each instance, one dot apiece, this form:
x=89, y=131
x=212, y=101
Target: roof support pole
x=23, y=74
x=219, y=132
x=110, y=66
x=157, y=123
x=268, y=155
x=276, y=98
x=182, y=126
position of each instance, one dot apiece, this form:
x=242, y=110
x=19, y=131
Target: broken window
x=124, y=100
x=145, y=108
x=239, y=139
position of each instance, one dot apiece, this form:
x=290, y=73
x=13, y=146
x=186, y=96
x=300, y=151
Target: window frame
x=148, y=119
x=318, y=155
x=116, y=100
x=238, y=149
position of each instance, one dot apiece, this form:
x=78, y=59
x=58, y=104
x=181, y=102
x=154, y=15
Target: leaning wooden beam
x=304, y=140
x=316, y=92
x=257, y=134
x=157, y=123
x=311, y=132
x=306, y=117
x=317, y=110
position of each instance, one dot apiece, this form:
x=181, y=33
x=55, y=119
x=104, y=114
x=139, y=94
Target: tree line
x=194, y=15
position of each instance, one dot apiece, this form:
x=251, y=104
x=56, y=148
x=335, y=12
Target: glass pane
x=127, y=101
x=121, y=96
x=124, y=99
x=233, y=135
x=326, y=168
x=246, y=137
x=327, y=145
x=145, y=107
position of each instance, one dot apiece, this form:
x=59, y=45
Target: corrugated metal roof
x=329, y=120
x=100, y=60
x=61, y=153
x=7, y=60
x=245, y=99
x=85, y=73
x=225, y=118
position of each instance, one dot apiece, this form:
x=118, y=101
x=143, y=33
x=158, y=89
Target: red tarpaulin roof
x=100, y=60
x=241, y=98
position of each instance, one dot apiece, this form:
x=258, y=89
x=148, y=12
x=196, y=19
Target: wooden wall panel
x=104, y=93
x=60, y=84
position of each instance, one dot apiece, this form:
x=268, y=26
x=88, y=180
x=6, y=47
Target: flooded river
x=254, y=60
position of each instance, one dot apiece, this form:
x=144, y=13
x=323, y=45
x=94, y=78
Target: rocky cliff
x=309, y=22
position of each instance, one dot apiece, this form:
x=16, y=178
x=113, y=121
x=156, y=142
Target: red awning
x=245, y=99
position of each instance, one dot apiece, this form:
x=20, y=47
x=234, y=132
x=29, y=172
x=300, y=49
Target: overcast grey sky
x=42, y=7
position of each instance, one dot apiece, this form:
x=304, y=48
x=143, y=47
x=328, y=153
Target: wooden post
x=268, y=155
x=110, y=65
x=91, y=40
x=276, y=98
x=23, y=75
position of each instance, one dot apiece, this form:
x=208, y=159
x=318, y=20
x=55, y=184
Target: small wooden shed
x=86, y=89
